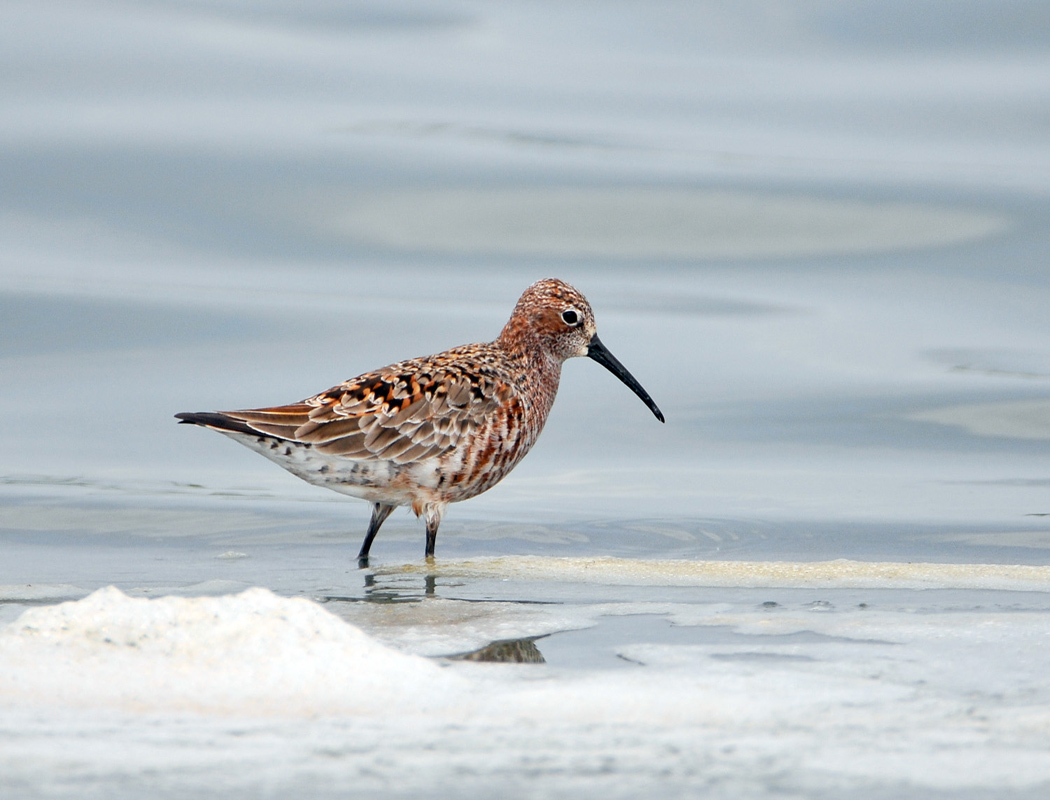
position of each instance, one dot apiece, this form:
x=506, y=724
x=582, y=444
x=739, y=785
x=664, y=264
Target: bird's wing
x=402, y=413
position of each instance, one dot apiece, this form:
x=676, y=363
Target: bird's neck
x=521, y=343
x=540, y=373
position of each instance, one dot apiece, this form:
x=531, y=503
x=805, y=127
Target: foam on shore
x=837, y=574
x=251, y=650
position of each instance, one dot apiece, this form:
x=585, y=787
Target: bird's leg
x=380, y=511
x=432, y=535
x=433, y=513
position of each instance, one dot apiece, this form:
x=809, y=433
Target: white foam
x=837, y=574
x=252, y=652
x=882, y=695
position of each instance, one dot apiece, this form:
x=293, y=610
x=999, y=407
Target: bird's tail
x=214, y=420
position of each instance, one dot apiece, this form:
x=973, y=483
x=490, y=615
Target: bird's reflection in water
x=398, y=588
x=408, y=587
x=382, y=589
x=388, y=589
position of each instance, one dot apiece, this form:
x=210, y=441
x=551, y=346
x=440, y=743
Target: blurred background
x=815, y=231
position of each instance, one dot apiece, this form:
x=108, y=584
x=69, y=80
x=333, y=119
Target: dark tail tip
x=213, y=419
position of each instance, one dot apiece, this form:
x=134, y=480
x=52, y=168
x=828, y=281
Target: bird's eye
x=570, y=317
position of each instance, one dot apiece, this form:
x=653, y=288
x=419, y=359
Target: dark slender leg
x=432, y=534
x=380, y=511
x=432, y=513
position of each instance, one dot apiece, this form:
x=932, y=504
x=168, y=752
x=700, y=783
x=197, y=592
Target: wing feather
x=403, y=413
x=349, y=446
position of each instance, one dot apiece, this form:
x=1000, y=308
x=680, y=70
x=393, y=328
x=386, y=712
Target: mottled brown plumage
x=435, y=430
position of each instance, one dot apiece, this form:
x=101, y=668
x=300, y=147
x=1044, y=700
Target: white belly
x=375, y=480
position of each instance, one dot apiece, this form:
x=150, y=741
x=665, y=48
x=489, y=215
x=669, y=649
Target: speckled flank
x=435, y=430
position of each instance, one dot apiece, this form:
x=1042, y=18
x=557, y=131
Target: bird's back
x=441, y=428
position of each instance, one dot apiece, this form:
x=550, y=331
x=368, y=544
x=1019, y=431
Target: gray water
x=816, y=234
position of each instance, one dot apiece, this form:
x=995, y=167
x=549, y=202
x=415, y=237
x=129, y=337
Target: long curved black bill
x=596, y=351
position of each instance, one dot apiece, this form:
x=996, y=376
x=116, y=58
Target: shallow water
x=817, y=236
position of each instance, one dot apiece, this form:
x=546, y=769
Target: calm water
x=818, y=236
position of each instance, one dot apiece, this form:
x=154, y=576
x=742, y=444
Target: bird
x=435, y=430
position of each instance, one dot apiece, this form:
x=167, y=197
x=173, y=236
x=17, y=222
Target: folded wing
x=399, y=414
